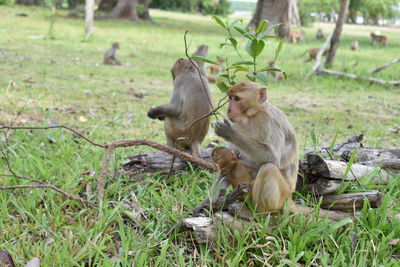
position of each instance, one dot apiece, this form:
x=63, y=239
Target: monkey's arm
x=117, y=60
x=256, y=151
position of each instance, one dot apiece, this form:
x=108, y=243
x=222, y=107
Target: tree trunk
x=277, y=11
x=143, y=10
x=125, y=9
x=30, y=2
x=89, y=13
x=344, y=4
x=106, y=5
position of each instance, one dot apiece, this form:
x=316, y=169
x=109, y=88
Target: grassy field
x=44, y=81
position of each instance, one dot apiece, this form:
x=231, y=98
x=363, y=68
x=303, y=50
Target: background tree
x=277, y=11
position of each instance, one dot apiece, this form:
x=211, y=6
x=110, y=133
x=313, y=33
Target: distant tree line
x=371, y=11
x=216, y=7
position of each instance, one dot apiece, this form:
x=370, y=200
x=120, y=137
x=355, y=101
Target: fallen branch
x=384, y=66
x=353, y=201
x=353, y=76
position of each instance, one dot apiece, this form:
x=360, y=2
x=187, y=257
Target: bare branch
x=384, y=66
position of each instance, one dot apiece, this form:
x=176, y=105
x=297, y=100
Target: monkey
x=354, y=45
x=296, y=36
x=189, y=102
x=202, y=50
x=312, y=54
x=380, y=38
x=263, y=135
x=235, y=170
x=278, y=75
x=215, y=70
x=320, y=35
x=110, y=57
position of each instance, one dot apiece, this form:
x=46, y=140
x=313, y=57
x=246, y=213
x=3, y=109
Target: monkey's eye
x=236, y=98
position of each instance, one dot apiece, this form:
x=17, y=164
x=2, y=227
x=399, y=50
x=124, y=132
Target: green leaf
x=233, y=41
x=220, y=22
x=243, y=32
x=278, y=49
x=243, y=62
x=261, y=26
x=336, y=225
x=271, y=69
x=262, y=77
x=222, y=86
x=235, y=21
x=241, y=68
x=251, y=76
x=255, y=47
x=204, y=59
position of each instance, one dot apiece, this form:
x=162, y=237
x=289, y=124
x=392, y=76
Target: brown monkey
x=354, y=45
x=215, y=70
x=312, y=53
x=380, y=38
x=264, y=136
x=189, y=101
x=320, y=35
x=235, y=170
x=296, y=36
x=202, y=50
x=278, y=75
x=110, y=57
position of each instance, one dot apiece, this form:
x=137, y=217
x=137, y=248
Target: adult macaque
x=189, y=101
x=380, y=38
x=202, y=50
x=110, y=57
x=354, y=45
x=215, y=70
x=277, y=75
x=312, y=53
x=263, y=135
x=296, y=36
x=235, y=170
x=320, y=35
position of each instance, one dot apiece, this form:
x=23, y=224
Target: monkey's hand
x=200, y=209
x=224, y=129
x=154, y=113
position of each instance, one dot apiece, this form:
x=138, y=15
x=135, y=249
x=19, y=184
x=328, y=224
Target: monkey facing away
x=189, y=101
x=296, y=36
x=380, y=38
x=277, y=75
x=320, y=35
x=312, y=53
x=110, y=57
x=263, y=135
x=202, y=50
x=235, y=170
x=354, y=45
x=215, y=70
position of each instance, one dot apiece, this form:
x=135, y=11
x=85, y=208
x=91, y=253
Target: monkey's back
x=195, y=104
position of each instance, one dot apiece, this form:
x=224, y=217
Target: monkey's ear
x=262, y=93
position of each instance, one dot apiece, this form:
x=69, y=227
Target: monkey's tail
x=331, y=215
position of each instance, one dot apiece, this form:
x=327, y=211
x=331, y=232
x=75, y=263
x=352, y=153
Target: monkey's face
x=245, y=100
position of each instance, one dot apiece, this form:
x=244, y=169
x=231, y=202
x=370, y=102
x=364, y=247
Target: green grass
x=63, y=80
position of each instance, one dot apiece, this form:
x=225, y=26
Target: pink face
x=234, y=111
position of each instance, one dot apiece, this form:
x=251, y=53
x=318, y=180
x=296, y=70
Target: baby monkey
x=233, y=169
x=110, y=57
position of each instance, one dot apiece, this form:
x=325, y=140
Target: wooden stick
x=351, y=201
x=384, y=66
x=353, y=76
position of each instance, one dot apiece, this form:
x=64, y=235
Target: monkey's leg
x=195, y=148
x=270, y=189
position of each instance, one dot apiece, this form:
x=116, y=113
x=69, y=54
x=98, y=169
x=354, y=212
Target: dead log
x=353, y=76
x=206, y=228
x=315, y=166
x=158, y=161
x=353, y=201
x=385, y=158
